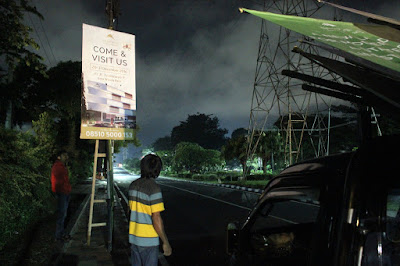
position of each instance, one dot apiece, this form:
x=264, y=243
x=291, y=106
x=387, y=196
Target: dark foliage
x=15, y=37
x=163, y=144
x=24, y=183
x=239, y=132
x=201, y=129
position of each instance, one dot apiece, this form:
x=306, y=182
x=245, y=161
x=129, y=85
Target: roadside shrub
x=231, y=176
x=24, y=184
x=132, y=164
x=220, y=173
x=80, y=166
x=259, y=177
x=194, y=158
x=185, y=175
x=205, y=177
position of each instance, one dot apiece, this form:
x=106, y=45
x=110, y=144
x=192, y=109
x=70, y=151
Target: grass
x=260, y=183
x=36, y=246
x=255, y=180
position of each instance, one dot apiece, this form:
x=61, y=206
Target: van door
x=369, y=232
x=281, y=232
x=381, y=242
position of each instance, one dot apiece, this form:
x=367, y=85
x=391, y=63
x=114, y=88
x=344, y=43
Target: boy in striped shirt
x=146, y=225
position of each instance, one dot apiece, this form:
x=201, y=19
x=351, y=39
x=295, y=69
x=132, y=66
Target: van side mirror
x=232, y=237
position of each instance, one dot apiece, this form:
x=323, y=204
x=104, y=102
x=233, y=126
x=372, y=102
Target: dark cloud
x=191, y=56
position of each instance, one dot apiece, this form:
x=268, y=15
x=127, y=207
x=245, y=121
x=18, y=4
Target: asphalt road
x=196, y=217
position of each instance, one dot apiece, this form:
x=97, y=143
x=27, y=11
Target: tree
x=270, y=144
x=64, y=94
x=212, y=159
x=28, y=99
x=132, y=164
x=163, y=144
x=239, y=132
x=201, y=129
x=15, y=49
x=194, y=158
x=15, y=40
x=45, y=138
x=236, y=148
x=188, y=156
x=167, y=157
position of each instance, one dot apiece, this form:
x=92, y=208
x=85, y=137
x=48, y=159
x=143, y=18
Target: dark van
x=336, y=210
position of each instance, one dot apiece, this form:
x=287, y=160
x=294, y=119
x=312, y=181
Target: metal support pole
x=376, y=122
x=110, y=194
x=112, y=12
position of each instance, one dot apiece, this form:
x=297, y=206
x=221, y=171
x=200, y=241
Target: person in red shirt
x=61, y=186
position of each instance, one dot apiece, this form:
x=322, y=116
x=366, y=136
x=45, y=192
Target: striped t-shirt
x=145, y=198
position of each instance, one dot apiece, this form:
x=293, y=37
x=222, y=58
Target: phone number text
x=102, y=134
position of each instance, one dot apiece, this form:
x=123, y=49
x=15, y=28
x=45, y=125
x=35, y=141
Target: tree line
x=199, y=145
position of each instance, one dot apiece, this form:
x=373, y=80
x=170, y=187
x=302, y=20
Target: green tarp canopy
x=377, y=44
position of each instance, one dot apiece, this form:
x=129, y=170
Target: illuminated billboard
x=108, y=88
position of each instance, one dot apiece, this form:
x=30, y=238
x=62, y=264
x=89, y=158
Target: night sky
x=191, y=56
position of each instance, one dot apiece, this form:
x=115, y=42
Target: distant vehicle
x=104, y=123
x=98, y=124
x=125, y=124
x=130, y=124
x=337, y=210
x=119, y=124
x=107, y=123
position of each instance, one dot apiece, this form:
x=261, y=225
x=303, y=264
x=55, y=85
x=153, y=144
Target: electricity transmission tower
x=278, y=99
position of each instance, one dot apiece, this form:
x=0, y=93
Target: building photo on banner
x=108, y=78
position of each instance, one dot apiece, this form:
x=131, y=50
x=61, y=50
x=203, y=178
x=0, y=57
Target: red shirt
x=59, y=178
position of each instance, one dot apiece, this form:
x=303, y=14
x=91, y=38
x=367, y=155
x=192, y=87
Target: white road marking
x=235, y=205
x=226, y=202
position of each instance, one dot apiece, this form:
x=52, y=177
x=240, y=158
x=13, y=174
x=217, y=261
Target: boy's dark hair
x=150, y=166
x=60, y=151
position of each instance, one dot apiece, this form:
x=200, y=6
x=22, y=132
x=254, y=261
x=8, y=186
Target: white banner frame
x=108, y=84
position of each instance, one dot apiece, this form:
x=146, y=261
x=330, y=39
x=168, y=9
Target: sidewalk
x=77, y=252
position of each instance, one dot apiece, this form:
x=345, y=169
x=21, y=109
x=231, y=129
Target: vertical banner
x=108, y=84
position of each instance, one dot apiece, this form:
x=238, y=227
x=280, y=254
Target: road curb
x=247, y=189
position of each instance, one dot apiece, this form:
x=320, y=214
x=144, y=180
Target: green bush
x=220, y=173
x=231, y=176
x=185, y=175
x=259, y=177
x=25, y=169
x=24, y=183
x=80, y=166
x=205, y=177
x=132, y=164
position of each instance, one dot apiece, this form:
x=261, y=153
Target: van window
x=284, y=226
x=285, y=213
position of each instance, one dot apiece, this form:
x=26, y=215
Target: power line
x=52, y=62
x=40, y=40
x=47, y=39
